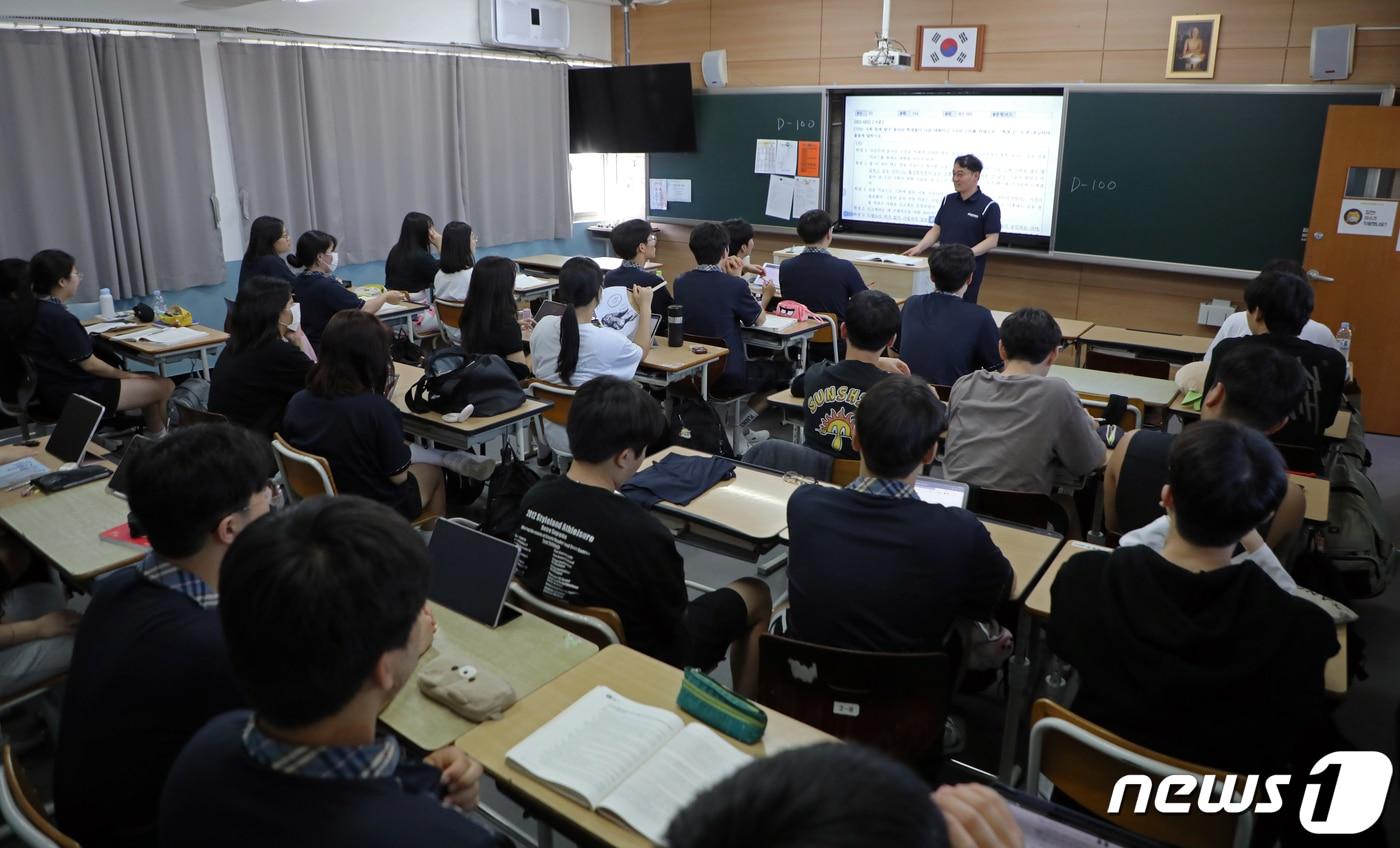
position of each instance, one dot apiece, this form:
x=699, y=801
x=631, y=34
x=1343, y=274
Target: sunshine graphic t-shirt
x=831, y=393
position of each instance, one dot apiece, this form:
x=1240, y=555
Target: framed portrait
x=1191, y=46
x=950, y=48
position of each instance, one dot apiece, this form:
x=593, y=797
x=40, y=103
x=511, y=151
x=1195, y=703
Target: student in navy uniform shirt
x=943, y=336
x=263, y=365
x=325, y=616
x=967, y=216
x=320, y=294
x=635, y=243
x=831, y=392
x=815, y=278
x=873, y=567
x=741, y=245
x=268, y=242
x=62, y=352
x=149, y=664
x=411, y=266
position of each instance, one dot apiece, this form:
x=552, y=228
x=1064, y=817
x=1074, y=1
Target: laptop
x=472, y=573
x=117, y=485
x=75, y=428
x=936, y=490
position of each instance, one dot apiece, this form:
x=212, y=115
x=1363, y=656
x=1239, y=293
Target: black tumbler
x=675, y=325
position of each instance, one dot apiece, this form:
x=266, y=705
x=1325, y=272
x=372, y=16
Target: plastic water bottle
x=159, y=304
x=1344, y=340
x=104, y=300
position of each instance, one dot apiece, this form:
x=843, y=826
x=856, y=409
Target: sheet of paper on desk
x=657, y=193
x=21, y=471
x=166, y=336
x=765, y=156
x=678, y=191
x=107, y=325
x=806, y=195
x=779, y=197
x=895, y=259
x=785, y=158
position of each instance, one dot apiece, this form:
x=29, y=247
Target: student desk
x=159, y=356
x=526, y=652
x=1151, y=391
x=1071, y=329
x=473, y=431
x=63, y=527
x=748, y=511
x=1027, y=549
x=797, y=334
x=1318, y=491
x=631, y=675
x=551, y=262
x=664, y=365
x=1170, y=346
x=892, y=278
x=537, y=288
x=392, y=314
x=790, y=404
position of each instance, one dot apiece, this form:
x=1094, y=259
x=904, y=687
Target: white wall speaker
x=1330, y=58
x=714, y=67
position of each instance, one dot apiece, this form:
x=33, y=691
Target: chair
x=599, y=625
x=555, y=436
x=897, y=703
x=22, y=814
x=1030, y=508
x=309, y=476
x=186, y=415
x=17, y=390
x=1085, y=761
x=714, y=371
x=1097, y=360
x=943, y=392
x=1132, y=416
x=829, y=334
x=843, y=471
x=449, y=313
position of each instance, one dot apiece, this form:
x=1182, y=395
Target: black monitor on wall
x=635, y=109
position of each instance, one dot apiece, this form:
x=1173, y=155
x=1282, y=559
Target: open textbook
x=638, y=764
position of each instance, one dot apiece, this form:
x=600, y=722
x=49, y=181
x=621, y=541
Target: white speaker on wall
x=714, y=67
x=1330, y=58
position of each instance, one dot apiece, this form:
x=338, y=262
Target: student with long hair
x=268, y=242
x=320, y=294
x=411, y=266
x=63, y=355
x=570, y=349
x=263, y=365
x=16, y=304
x=488, y=321
x=345, y=415
x=452, y=281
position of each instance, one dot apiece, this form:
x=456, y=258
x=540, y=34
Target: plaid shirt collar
x=335, y=762
x=883, y=488
x=709, y=268
x=191, y=586
x=628, y=263
x=816, y=250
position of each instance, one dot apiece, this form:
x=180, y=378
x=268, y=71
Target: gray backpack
x=1359, y=540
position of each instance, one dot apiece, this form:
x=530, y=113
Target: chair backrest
x=187, y=415
x=449, y=313
x=896, y=703
x=715, y=369
x=599, y=625
x=563, y=397
x=1132, y=416
x=1085, y=761
x=843, y=471
x=21, y=813
x=1029, y=508
x=1101, y=361
x=829, y=334
x=307, y=474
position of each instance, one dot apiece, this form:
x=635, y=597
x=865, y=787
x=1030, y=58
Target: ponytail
x=580, y=280
x=311, y=245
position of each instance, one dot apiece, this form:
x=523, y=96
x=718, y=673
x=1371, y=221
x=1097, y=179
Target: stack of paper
x=165, y=336
x=103, y=327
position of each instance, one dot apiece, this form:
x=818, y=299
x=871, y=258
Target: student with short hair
x=741, y=246
x=321, y=294
x=841, y=796
x=325, y=616
x=62, y=351
x=583, y=543
x=1282, y=304
x=815, y=278
x=635, y=243
x=1183, y=651
x=411, y=266
x=453, y=279
x=944, y=337
x=1237, y=325
x=570, y=349
x=345, y=416
x=262, y=366
x=831, y=392
x=489, y=324
x=268, y=242
x=921, y=565
x=1021, y=430
x=150, y=666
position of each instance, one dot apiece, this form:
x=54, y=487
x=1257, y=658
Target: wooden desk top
x=752, y=505
x=663, y=357
x=1318, y=491
x=554, y=261
x=1027, y=550
x=1071, y=329
x=212, y=337
x=527, y=653
x=631, y=675
x=1144, y=340
x=1149, y=390
x=787, y=400
x=1340, y=425
x=411, y=374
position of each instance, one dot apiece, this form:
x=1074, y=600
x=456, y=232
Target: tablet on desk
x=939, y=491
x=472, y=573
x=75, y=428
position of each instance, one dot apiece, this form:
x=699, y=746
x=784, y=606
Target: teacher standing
x=967, y=216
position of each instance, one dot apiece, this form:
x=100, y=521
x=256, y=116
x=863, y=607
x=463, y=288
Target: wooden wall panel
x=1311, y=13
x=847, y=70
x=1011, y=293
x=1233, y=65
x=1143, y=24
x=773, y=29
x=778, y=72
x=849, y=26
x=1028, y=268
x=1376, y=64
x=1034, y=26
x=1035, y=67
x=1159, y=310
x=678, y=32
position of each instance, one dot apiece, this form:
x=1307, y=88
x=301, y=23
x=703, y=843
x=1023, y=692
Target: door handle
x=1317, y=277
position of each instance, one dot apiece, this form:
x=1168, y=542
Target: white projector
x=887, y=58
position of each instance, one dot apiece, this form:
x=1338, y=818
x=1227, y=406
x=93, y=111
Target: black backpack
x=452, y=379
x=505, y=493
x=695, y=424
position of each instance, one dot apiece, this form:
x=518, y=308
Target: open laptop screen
x=945, y=492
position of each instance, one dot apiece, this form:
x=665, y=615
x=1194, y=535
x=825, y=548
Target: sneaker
x=471, y=465
x=748, y=438
x=954, y=734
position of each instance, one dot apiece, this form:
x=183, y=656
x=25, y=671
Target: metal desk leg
x=522, y=442
x=705, y=382
x=1019, y=683
x=160, y=367
x=804, y=352
x=204, y=361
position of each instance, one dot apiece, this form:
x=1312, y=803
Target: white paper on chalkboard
x=806, y=195
x=678, y=191
x=765, y=155
x=657, y=194
x=785, y=158
x=779, y=197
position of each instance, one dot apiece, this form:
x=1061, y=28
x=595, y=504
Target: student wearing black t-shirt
x=63, y=356
x=1283, y=304
x=263, y=366
x=1183, y=652
x=345, y=416
x=944, y=336
x=320, y=294
x=584, y=543
x=831, y=392
x=411, y=266
x=325, y=616
x=815, y=278
x=871, y=566
x=635, y=242
x=489, y=323
x=268, y=242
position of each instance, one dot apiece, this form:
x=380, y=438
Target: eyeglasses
x=798, y=479
x=960, y=174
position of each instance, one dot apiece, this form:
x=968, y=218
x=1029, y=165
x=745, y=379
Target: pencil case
x=708, y=701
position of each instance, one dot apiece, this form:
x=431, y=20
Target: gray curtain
x=106, y=155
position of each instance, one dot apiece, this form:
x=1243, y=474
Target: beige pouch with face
x=465, y=688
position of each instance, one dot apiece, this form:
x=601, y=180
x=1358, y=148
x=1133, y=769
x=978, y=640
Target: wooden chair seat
x=599, y=625
x=21, y=809
x=308, y=476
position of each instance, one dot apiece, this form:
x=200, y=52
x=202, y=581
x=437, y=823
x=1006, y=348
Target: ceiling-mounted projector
x=885, y=54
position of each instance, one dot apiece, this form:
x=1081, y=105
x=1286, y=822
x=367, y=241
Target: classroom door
x=1353, y=256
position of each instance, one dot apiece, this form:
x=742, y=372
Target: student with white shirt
x=570, y=349
x=453, y=277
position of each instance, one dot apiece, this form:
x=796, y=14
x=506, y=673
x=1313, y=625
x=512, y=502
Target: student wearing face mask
x=263, y=365
x=320, y=294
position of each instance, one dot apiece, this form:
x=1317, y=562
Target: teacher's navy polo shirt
x=968, y=222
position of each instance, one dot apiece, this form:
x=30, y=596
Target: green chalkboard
x=723, y=184
x=1217, y=179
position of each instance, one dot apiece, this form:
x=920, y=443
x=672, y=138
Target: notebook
x=938, y=491
x=472, y=573
x=117, y=485
x=75, y=428
x=776, y=322
x=635, y=764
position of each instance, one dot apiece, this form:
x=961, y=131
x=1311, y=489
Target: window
x=608, y=186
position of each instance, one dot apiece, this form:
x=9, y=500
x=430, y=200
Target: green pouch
x=720, y=708
x=1192, y=399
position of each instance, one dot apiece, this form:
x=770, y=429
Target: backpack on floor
x=1359, y=541
x=506, y=490
x=192, y=392
x=695, y=424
